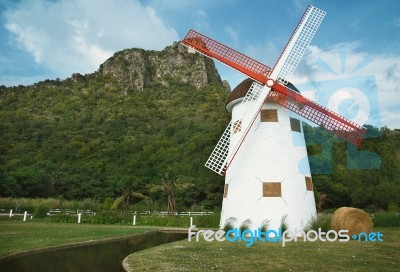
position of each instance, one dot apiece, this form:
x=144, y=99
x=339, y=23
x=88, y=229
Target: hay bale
x=338, y=217
x=352, y=219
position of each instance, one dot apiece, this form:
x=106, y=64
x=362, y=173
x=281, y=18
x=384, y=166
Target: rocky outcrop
x=139, y=68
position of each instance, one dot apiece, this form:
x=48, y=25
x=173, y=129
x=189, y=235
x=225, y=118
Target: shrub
x=392, y=207
x=388, y=219
x=40, y=212
x=245, y=225
x=265, y=225
x=284, y=225
x=229, y=224
x=207, y=221
x=322, y=221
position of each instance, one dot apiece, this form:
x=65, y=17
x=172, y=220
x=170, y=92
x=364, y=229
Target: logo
x=371, y=237
x=355, y=98
x=277, y=236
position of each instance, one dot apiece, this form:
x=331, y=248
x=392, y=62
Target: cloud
x=395, y=23
x=200, y=19
x=345, y=61
x=69, y=36
x=232, y=34
x=265, y=52
x=298, y=5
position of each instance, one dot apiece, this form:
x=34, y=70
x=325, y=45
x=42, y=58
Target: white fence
x=70, y=211
x=163, y=213
x=79, y=214
x=91, y=212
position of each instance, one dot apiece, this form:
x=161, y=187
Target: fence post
x=134, y=220
x=191, y=221
x=79, y=217
x=11, y=213
x=25, y=214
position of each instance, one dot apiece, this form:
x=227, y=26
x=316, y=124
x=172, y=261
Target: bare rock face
x=139, y=68
x=76, y=77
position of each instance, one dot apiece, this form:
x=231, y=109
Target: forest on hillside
x=141, y=128
x=79, y=140
x=89, y=140
x=366, y=177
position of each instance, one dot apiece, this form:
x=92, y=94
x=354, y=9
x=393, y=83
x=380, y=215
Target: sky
x=353, y=59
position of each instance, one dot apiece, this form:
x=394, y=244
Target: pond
x=99, y=257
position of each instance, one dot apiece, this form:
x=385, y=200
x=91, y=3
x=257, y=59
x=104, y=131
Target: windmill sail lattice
x=298, y=43
x=227, y=56
x=276, y=79
x=224, y=150
x=330, y=120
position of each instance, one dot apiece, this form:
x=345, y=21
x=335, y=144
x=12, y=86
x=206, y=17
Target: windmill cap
x=241, y=90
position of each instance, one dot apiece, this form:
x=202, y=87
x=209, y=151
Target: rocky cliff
x=138, y=68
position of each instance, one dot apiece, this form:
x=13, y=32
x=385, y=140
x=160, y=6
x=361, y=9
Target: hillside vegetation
x=92, y=136
x=148, y=115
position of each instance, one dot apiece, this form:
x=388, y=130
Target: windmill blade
x=298, y=43
x=229, y=144
x=236, y=131
x=226, y=55
x=339, y=125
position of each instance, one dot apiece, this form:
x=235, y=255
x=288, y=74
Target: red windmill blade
x=276, y=79
x=326, y=118
x=228, y=56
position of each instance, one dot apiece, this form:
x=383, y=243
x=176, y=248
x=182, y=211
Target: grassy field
x=17, y=236
x=299, y=256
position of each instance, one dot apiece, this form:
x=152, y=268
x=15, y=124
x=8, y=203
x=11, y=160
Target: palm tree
x=169, y=185
x=128, y=187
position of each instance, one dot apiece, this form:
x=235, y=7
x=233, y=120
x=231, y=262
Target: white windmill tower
x=264, y=179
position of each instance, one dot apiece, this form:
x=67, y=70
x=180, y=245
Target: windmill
x=267, y=176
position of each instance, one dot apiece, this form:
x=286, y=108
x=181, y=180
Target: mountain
x=137, y=68
x=145, y=115
x=142, y=114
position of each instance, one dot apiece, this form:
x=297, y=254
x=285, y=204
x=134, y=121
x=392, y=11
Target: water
x=99, y=257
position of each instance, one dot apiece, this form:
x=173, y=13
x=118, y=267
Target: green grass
x=388, y=219
x=203, y=221
x=126, y=218
x=32, y=204
x=17, y=236
x=300, y=256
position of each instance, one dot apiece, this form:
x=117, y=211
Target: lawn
x=299, y=256
x=17, y=236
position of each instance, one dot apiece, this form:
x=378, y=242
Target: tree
x=169, y=184
x=128, y=188
x=387, y=193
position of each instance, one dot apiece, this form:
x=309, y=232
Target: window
x=271, y=189
x=226, y=190
x=269, y=116
x=295, y=124
x=309, y=184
